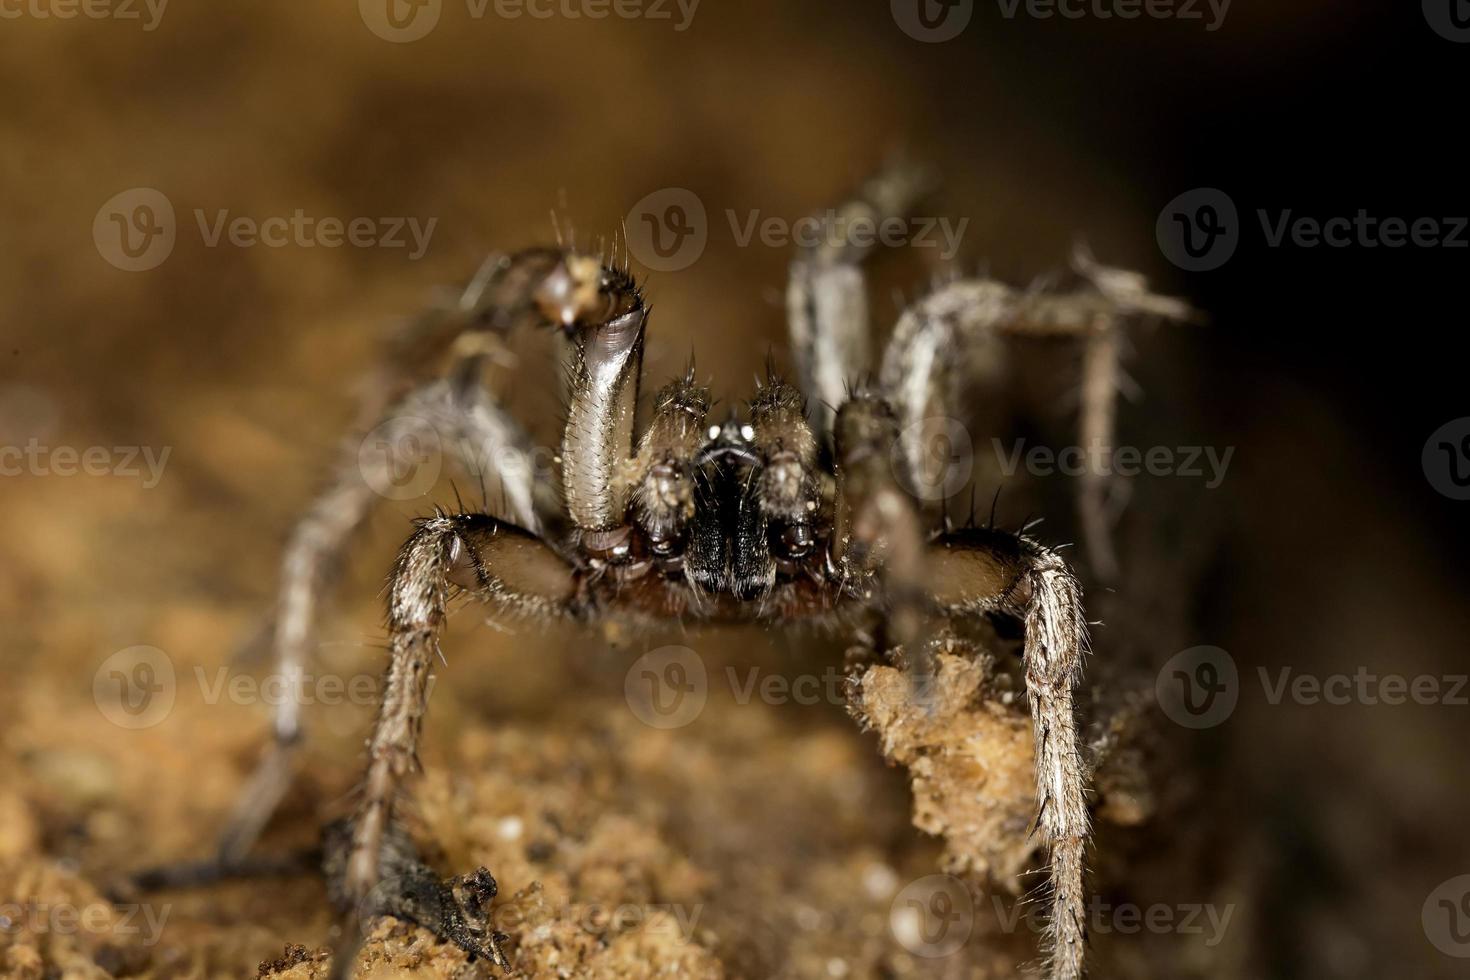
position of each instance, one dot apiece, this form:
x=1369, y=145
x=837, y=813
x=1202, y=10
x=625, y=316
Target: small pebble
x=510, y=828
x=879, y=881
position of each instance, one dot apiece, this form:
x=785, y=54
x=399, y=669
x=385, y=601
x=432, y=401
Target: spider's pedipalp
x=598, y=441
x=788, y=489
x=663, y=499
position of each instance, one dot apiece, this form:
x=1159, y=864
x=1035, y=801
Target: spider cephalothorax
x=805, y=506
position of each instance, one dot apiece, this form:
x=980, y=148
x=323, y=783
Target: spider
x=804, y=508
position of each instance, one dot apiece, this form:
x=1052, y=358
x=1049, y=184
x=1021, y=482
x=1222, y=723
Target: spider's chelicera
x=806, y=507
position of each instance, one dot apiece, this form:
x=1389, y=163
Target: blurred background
x=215, y=376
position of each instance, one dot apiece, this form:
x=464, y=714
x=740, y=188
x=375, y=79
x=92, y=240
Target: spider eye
x=747, y=432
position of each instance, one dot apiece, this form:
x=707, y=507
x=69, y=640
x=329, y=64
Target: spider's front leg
x=914, y=581
x=497, y=563
x=978, y=572
x=922, y=364
x=878, y=542
x=966, y=574
x=535, y=286
x=504, y=565
x=826, y=297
